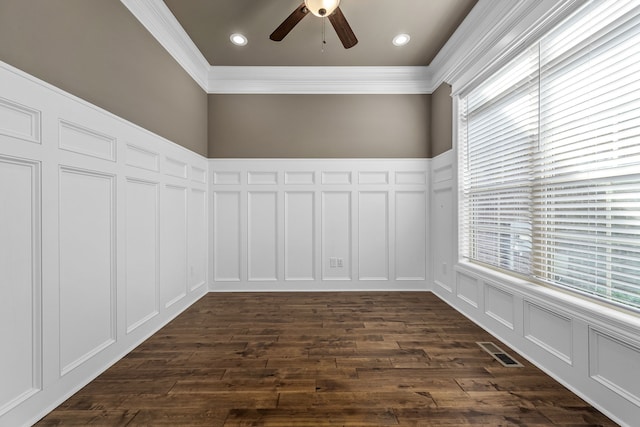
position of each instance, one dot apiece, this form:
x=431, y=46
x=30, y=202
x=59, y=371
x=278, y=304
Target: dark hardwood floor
x=321, y=359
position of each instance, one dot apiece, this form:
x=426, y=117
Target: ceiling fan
x=320, y=8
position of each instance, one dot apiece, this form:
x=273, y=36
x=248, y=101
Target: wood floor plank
x=321, y=359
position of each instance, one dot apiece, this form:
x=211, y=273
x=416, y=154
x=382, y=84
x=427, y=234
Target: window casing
x=550, y=158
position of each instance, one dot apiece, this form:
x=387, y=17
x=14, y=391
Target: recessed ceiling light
x=401, y=39
x=238, y=39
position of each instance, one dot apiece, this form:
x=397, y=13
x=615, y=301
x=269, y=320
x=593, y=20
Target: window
x=550, y=158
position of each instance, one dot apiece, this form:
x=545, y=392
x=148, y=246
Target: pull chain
x=324, y=40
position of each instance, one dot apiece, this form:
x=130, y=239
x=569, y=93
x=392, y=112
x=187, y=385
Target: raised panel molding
x=80, y=234
x=226, y=178
x=410, y=235
x=82, y=140
x=300, y=238
x=411, y=178
x=19, y=121
x=328, y=224
x=442, y=173
x=20, y=276
x=198, y=175
x=197, y=250
x=549, y=329
x=614, y=362
x=263, y=236
x=336, y=178
x=443, y=228
x=262, y=178
x=467, y=288
x=175, y=167
x=299, y=178
x=376, y=177
x=87, y=265
x=142, y=280
x=499, y=305
x=568, y=337
x=226, y=230
x=173, y=246
x=142, y=158
x=373, y=235
x=336, y=235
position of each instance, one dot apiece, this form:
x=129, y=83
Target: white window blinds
x=550, y=158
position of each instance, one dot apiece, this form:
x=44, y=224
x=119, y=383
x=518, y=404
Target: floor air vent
x=500, y=355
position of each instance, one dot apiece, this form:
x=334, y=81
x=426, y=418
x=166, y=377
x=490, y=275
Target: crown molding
x=320, y=80
x=156, y=17
x=160, y=22
x=494, y=32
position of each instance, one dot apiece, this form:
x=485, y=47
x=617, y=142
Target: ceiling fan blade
x=344, y=31
x=288, y=24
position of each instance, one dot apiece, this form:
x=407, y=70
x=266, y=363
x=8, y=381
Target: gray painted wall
x=98, y=51
x=319, y=126
x=441, y=120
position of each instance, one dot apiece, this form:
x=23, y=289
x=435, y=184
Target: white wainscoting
x=103, y=240
x=591, y=349
x=319, y=225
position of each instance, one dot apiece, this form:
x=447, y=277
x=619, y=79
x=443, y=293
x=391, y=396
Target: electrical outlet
x=333, y=262
x=340, y=263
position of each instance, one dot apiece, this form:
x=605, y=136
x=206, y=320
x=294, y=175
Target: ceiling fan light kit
x=320, y=8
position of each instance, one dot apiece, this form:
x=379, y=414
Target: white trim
x=492, y=32
x=163, y=25
x=320, y=80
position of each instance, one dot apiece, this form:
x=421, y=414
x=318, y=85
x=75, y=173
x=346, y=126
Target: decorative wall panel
x=87, y=265
x=373, y=235
x=85, y=208
x=19, y=121
x=336, y=177
x=263, y=235
x=336, y=235
x=173, y=247
x=549, y=329
x=264, y=178
x=442, y=243
x=467, y=289
x=318, y=225
x=20, y=286
x=141, y=158
x=197, y=239
x=82, y=140
x=411, y=178
x=374, y=177
x=499, y=305
x=299, y=178
x=410, y=235
x=175, y=167
x=226, y=178
x=614, y=361
x=142, y=252
x=300, y=241
x=226, y=231
x=198, y=175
